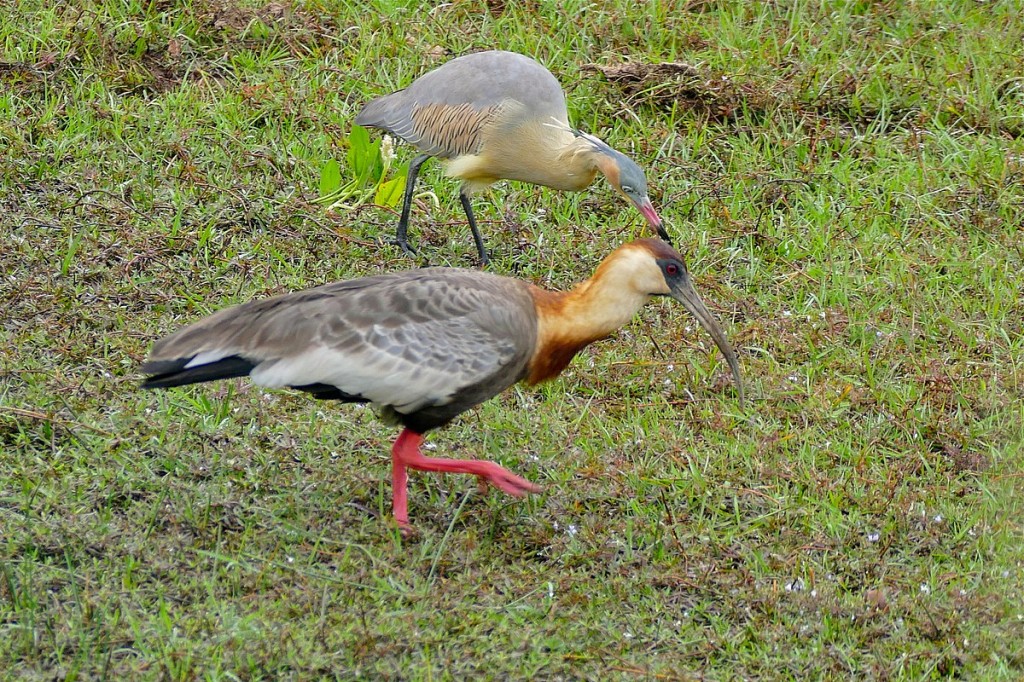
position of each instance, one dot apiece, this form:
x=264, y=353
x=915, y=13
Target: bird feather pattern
x=406, y=341
x=443, y=112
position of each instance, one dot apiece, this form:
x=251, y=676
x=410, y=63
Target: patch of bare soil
x=226, y=26
x=669, y=84
x=721, y=98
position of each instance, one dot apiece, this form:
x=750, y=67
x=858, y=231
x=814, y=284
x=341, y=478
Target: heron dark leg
x=406, y=454
x=402, y=236
x=468, y=208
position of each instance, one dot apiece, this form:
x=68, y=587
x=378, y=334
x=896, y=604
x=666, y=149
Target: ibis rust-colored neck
x=569, y=321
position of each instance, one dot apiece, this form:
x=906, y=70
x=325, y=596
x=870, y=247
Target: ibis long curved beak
x=683, y=291
x=646, y=209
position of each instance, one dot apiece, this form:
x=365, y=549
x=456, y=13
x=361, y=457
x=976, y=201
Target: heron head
x=628, y=179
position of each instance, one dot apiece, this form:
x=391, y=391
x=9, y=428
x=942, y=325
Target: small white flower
x=925, y=589
x=873, y=537
x=387, y=148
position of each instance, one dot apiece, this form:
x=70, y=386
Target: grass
x=845, y=181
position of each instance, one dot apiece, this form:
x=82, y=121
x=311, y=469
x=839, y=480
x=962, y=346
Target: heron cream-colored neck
x=582, y=162
x=539, y=153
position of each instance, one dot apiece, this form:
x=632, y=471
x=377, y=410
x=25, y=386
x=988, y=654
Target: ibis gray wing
x=406, y=341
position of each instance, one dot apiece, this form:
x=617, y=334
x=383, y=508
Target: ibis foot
x=505, y=481
x=408, y=531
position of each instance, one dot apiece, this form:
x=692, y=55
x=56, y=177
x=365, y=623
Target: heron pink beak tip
x=648, y=212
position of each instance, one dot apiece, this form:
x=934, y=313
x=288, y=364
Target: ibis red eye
x=672, y=269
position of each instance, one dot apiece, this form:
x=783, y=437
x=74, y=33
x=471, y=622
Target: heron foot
x=403, y=244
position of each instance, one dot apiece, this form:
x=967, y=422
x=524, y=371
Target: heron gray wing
x=444, y=112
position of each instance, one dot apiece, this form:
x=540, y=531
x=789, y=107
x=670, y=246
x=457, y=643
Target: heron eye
x=672, y=269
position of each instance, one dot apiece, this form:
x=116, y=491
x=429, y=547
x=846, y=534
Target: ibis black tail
x=169, y=373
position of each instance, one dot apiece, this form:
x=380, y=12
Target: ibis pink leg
x=406, y=453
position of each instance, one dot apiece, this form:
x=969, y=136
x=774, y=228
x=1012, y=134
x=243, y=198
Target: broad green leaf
x=390, y=193
x=330, y=178
x=364, y=158
x=358, y=143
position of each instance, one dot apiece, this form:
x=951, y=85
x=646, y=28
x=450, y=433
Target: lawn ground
x=845, y=180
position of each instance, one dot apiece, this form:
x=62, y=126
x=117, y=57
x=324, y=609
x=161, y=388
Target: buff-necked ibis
x=494, y=116
x=426, y=345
